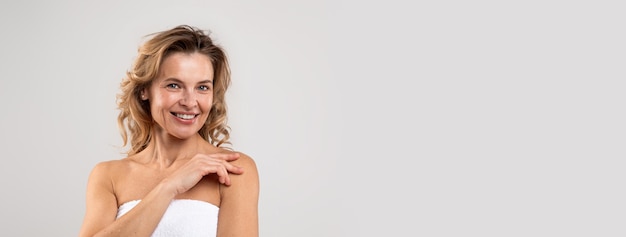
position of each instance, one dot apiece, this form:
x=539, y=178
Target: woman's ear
x=144, y=94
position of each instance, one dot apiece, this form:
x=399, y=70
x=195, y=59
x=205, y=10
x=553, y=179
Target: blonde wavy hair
x=135, y=120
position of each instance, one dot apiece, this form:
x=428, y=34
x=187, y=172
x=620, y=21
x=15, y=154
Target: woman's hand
x=188, y=175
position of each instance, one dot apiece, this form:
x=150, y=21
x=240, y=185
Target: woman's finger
x=222, y=173
x=230, y=167
x=225, y=156
x=223, y=161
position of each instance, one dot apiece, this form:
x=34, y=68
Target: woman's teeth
x=185, y=116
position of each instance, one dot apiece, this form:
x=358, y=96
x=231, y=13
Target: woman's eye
x=172, y=86
x=204, y=88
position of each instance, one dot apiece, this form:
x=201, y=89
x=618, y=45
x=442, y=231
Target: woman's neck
x=164, y=149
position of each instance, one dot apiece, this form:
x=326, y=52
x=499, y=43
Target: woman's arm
x=238, y=214
x=101, y=208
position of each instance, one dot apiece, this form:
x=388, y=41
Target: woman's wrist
x=166, y=189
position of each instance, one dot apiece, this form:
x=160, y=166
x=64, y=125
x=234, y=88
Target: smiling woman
x=178, y=178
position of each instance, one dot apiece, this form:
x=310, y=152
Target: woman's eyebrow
x=173, y=79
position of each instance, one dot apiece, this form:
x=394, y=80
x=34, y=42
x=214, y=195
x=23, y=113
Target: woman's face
x=181, y=95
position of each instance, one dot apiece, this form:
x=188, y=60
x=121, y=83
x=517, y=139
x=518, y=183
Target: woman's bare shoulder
x=245, y=160
x=111, y=167
x=250, y=175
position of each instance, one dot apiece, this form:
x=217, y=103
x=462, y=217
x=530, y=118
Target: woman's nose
x=188, y=99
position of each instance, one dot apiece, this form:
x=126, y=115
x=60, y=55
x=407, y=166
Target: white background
x=388, y=118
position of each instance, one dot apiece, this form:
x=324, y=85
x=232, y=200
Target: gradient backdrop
x=365, y=118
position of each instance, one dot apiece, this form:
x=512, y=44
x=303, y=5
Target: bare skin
x=177, y=164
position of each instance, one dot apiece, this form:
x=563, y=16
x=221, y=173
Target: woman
x=178, y=179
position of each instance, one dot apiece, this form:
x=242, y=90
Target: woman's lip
x=185, y=113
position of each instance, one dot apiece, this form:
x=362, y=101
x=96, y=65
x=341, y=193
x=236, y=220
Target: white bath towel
x=184, y=217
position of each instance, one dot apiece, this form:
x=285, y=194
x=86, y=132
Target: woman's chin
x=184, y=135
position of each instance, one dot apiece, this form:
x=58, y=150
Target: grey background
x=441, y=118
